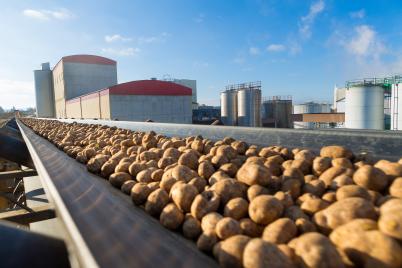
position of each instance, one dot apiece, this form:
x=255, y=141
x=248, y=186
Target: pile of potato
x=250, y=206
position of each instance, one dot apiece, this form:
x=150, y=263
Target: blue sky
x=295, y=47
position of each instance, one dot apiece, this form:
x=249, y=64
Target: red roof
x=150, y=87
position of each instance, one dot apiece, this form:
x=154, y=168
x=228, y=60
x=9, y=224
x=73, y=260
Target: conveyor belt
x=106, y=228
x=380, y=144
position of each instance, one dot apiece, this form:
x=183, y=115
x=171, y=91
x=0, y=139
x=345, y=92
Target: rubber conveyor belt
x=106, y=228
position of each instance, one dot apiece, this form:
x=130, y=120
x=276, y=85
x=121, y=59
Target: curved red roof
x=150, y=87
x=91, y=59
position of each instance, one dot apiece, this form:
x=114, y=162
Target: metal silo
x=364, y=106
x=396, y=104
x=229, y=107
x=44, y=92
x=249, y=107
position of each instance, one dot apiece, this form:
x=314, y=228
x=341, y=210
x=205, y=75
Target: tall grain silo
x=44, y=92
x=396, y=104
x=229, y=107
x=364, y=106
x=249, y=107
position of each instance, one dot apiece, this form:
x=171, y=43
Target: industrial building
x=85, y=86
x=159, y=101
x=187, y=83
x=277, y=112
x=318, y=110
x=241, y=105
x=206, y=115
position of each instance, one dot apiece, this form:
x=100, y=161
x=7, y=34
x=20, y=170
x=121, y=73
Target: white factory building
x=85, y=86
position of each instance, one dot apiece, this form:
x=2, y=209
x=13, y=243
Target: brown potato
x=330, y=197
x=237, y=208
x=315, y=187
x=183, y=173
x=239, y=146
x=342, y=212
x=139, y=193
x=117, y=179
x=280, y=231
x=219, y=160
x=171, y=217
x=204, y=203
x=227, y=151
x=396, y=188
x=391, y=169
x=228, y=189
x=340, y=181
x=293, y=174
x=390, y=221
x=316, y=250
x=95, y=164
x=198, y=183
x=260, y=254
x=157, y=175
x=227, y=227
x=167, y=181
x=135, y=168
x=209, y=221
x=156, y=201
x=207, y=240
x=256, y=190
x=370, y=178
x=191, y=227
x=305, y=226
x=335, y=151
x=183, y=195
x=294, y=213
x=352, y=191
x=218, y=176
x=302, y=165
x=229, y=168
x=285, y=198
x=292, y=187
x=313, y=205
x=206, y=169
x=231, y=251
x=145, y=175
x=342, y=162
x=166, y=161
x=250, y=228
x=108, y=168
x=264, y=209
x=189, y=159
x=251, y=174
x=127, y=186
x=320, y=164
x=330, y=174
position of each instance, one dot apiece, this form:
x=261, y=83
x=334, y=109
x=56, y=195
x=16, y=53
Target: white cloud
x=307, y=21
x=153, y=39
x=116, y=38
x=130, y=51
x=43, y=14
x=20, y=94
x=276, y=48
x=254, y=51
x=360, y=14
x=365, y=43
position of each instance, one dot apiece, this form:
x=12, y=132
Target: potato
x=256, y=190
x=205, y=169
x=365, y=246
x=250, y=228
x=293, y=174
x=216, y=250
x=352, y=191
x=219, y=160
x=157, y=175
x=302, y=165
x=396, y=188
x=304, y=226
x=167, y=181
x=95, y=164
x=315, y=187
x=122, y=167
x=391, y=169
x=139, y=193
x=229, y=168
x=330, y=174
x=166, y=161
x=313, y=205
x=342, y=212
x=280, y=231
x=239, y=146
x=231, y=251
x=145, y=175
x=189, y=159
x=127, y=186
x=117, y=179
x=292, y=187
x=288, y=251
x=156, y=201
x=218, y=176
x=342, y=162
x=197, y=145
x=204, y=203
x=183, y=195
x=340, y=181
x=108, y=168
x=305, y=155
x=237, y=208
x=209, y=221
x=310, y=178
x=256, y=160
x=183, y=173
x=316, y=250
x=335, y=151
x=390, y=221
x=171, y=217
x=251, y=174
x=227, y=227
x=330, y=197
x=264, y=209
x=207, y=240
x=199, y=183
x=227, y=151
x=228, y=189
x=370, y=178
x=153, y=185
x=260, y=254
x=320, y=164
x=285, y=198
x=135, y=168
x=191, y=227
x=294, y=213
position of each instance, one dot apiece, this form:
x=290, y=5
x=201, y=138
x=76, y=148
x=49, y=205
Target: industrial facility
x=314, y=109
x=85, y=86
x=277, y=112
x=241, y=105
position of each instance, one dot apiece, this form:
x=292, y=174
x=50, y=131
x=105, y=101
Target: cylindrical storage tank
x=396, y=107
x=44, y=92
x=229, y=107
x=364, y=107
x=301, y=109
x=249, y=107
